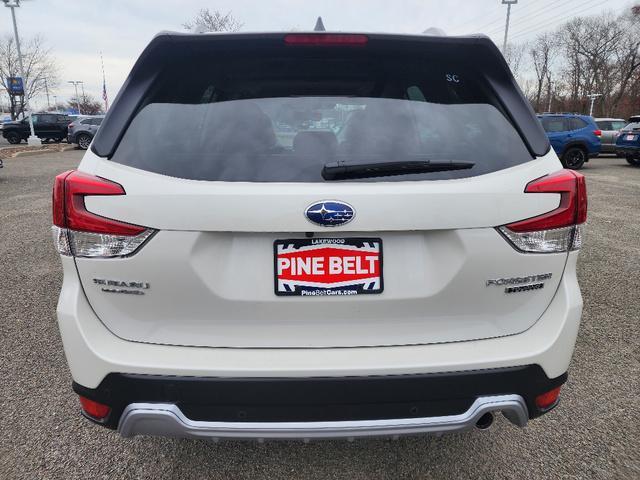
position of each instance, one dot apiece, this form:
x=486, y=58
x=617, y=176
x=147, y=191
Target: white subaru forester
x=317, y=235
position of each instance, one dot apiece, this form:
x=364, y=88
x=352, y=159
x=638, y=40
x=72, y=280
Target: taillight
x=597, y=133
x=81, y=233
x=326, y=39
x=93, y=409
x=559, y=230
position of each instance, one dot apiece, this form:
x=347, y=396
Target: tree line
x=600, y=54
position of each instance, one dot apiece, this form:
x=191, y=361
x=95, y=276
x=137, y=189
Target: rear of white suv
x=318, y=235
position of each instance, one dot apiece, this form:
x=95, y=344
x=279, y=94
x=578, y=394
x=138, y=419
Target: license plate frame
x=366, y=279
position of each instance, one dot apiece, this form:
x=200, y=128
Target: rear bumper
x=317, y=407
x=168, y=420
x=628, y=150
x=200, y=391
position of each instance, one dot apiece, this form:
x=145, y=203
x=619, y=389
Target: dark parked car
x=628, y=144
x=575, y=138
x=47, y=126
x=82, y=131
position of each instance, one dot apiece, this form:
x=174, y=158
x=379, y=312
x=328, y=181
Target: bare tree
x=39, y=64
x=542, y=53
x=514, y=55
x=88, y=104
x=207, y=21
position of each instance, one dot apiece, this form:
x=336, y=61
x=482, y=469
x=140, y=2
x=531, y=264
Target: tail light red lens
x=95, y=410
x=548, y=399
x=556, y=231
x=597, y=133
x=69, y=210
x=326, y=39
x=80, y=233
x=573, y=202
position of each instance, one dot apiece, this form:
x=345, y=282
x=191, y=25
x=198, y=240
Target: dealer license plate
x=315, y=267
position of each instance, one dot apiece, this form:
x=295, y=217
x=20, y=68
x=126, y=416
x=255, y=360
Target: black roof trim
x=477, y=49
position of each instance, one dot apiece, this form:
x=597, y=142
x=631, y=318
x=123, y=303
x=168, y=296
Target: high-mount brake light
x=326, y=39
x=81, y=233
x=559, y=230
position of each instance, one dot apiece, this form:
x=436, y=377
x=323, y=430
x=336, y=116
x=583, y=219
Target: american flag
x=104, y=86
x=104, y=96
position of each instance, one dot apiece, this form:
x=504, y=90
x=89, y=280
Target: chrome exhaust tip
x=485, y=421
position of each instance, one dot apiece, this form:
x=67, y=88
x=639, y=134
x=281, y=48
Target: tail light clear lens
x=80, y=233
x=559, y=230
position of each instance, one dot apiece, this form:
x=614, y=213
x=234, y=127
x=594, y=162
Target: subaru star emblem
x=329, y=213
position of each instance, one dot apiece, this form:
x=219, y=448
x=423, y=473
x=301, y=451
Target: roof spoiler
x=167, y=47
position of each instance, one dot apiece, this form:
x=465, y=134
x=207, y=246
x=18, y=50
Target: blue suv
x=575, y=138
x=628, y=143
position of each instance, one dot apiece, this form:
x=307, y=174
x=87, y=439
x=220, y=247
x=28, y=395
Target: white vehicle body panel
x=93, y=351
x=210, y=268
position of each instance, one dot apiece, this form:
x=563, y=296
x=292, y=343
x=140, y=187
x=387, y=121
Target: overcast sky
x=77, y=31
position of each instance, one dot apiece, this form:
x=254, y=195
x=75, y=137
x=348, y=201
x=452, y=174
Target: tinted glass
x=86, y=121
x=632, y=126
x=96, y=121
x=283, y=119
x=554, y=124
x=604, y=125
x=617, y=125
x=576, y=123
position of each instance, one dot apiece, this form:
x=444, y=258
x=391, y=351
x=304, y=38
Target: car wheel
x=574, y=158
x=634, y=161
x=13, y=138
x=83, y=141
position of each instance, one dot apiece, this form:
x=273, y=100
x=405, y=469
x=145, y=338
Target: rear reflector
x=93, y=409
x=326, y=39
x=558, y=230
x=81, y=233
x=548, y=399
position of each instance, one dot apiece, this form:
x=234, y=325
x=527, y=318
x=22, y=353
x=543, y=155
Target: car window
x=617, y=125
x=86, y=121
x=35, y=119
x=576, y=123
x=281, y=120
x=96, y=121
x=554, y=124
x=632, y=126
x=604, y=125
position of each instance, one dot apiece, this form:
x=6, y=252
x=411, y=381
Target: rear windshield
x=282, y=119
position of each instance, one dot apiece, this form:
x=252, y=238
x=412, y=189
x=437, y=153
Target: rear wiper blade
x=341, y=171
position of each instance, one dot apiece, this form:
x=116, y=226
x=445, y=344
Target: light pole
x=593, y=97
x=75, y=83
x=13, y=4
x=508, y=3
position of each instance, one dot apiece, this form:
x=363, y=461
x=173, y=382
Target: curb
x=28, y=153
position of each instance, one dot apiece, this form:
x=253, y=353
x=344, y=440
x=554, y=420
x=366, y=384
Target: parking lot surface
x=594, y=432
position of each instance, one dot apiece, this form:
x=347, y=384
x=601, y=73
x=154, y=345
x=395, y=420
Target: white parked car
x=413, y=273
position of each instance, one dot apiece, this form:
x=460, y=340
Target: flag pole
x=104, y=86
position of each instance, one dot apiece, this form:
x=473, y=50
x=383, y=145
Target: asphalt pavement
x=593, y=434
